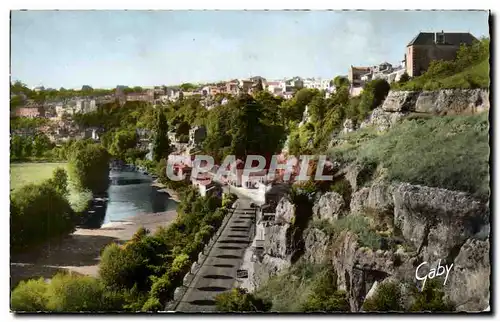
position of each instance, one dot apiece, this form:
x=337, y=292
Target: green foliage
x=60, y=181
x=89, y=168
x=65, y=293
x=372, y=96
x=304, y=287
x=420, y=151
x=431, y=299
x=340, y=81
x=228, y=199
x=38, y=212
x=324, y=295
x=123, y=141
x=238, y=300
x=387, y=298
x=161, y=145
x=37, y=146
x=358, y=224
x=29, y=296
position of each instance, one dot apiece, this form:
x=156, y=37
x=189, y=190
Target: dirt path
x=80, y=251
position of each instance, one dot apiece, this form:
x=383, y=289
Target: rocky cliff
x=443, y=102
x=428, y=224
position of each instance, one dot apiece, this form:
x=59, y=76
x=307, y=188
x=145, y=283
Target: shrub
x=29, y=296
x=38, y=212
x=387, y=298
x=65, y=293
x=152, y=305
x=121, y=267
x=431, y=298
x=238, y=300
x=324, y=295
x=162, y=289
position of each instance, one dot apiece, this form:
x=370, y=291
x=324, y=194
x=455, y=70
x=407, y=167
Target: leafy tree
x=123, y=140
x=38, y=212
x=161, y=147
x=60, y=181
x=340, y=81
x=41, y=144
x=373, y=95
x=89, y=168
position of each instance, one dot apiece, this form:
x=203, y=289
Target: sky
x=144, y=48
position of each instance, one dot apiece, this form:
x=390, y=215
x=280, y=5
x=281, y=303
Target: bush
x=324, y=295
x=38, y=212
x=343, y=188
x=238, y=300
x=29, y=296
x=161, y=290
x=387, y=298
x=152, y=305
x=121, y=267
x=228, y=199
x=89, y=168
x=65, y=293
x=431, y=298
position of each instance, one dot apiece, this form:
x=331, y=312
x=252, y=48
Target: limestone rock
x=316, y=246
x=400, y=101
x=328, y=206
x=276, y=243
x=469, y=281
x=359, y=200
x=436, y=220
x=285, y=211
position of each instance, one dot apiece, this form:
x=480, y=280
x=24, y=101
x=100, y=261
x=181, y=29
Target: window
x=440, y=38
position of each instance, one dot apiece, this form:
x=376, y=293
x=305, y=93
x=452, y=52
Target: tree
x=123, y=140
x=340, y=81
x=89, y=168
x=41, y=144
x=404, y=78
x=60, y=180
x=161, y=145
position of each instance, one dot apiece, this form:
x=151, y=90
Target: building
x=429, y=46
x=245, y=85
x=275, y=87
x=31, y=109
x=232, y=87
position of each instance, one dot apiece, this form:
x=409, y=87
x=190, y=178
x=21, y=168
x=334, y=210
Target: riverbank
x=162, y=188
x=80, y=251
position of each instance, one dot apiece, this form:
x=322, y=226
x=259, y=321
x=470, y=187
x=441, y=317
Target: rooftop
x=450, y=38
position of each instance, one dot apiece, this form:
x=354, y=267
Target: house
x=356, y=79
x=429, y=46
x=245, y=85
x=31, y=109
x=232, y=87
x=274, y=87
x=295, y=82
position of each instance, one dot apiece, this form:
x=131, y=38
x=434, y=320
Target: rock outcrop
x=437, y=221
x=329, y=206
x=469, y=284
x=443, y=102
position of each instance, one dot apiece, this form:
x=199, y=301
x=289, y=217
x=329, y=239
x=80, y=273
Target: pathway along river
x=132, y=202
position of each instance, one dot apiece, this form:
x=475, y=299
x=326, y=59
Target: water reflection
x=131, y=193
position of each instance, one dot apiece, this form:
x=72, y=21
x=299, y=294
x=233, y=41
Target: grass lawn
x=32, y=172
